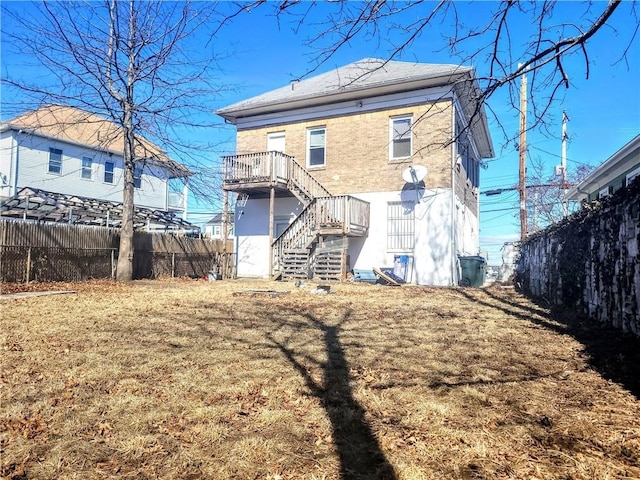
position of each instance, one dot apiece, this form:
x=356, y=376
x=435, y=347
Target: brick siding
x=357, y=148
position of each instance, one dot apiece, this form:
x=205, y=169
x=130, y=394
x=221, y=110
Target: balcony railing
x=338, y=215
x=271, y=168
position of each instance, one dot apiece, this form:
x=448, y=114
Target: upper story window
x=108, y=171
x=316, y=142
x=632, y=175
x=276, y=142
x=55, y=161
x=137, y=176
x=87, y=168
x=400, y=137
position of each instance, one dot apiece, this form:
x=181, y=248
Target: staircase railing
x=275, y=168
x=300, y=180
x=343, y=212
x=298, y=235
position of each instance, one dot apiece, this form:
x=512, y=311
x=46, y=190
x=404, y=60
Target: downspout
x=454, y=263
x=185, y=192
x=17, y=163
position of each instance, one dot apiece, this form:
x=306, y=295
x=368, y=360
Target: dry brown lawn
x=182, y=379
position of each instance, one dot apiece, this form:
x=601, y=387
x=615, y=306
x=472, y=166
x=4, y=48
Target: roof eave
x=176, y=168
x=232, y=114
x=605, y=171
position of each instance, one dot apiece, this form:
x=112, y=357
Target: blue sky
x=258, y=55
x=604, y=111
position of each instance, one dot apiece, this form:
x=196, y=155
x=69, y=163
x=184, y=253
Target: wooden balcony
x=256, y=173
x=324, y=215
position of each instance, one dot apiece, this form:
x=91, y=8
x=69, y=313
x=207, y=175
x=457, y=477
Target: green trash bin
x=472, y=271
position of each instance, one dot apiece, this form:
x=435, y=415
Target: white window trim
x=324, y=160
x=409, y=227
x=89, y=169
x=113, y=173
x=631, y=175
x=51, y=150
x=392, y=136
x=604, y=192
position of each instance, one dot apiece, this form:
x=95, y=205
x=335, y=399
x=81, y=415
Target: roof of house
x=617, y=164
x=76, y=126
x=361, y=79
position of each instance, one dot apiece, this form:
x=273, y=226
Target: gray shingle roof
x=364, y=74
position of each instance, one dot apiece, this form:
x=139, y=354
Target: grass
x=190, y=379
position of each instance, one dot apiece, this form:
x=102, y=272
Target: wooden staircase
x=306, y=249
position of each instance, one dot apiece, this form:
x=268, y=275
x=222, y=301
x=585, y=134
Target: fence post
x=173, y=264
x=28, y=279
x=113, y=261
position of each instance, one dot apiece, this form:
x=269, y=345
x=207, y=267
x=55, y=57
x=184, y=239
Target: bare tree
x=502, y=39
x=546, y=193
x=128, y=62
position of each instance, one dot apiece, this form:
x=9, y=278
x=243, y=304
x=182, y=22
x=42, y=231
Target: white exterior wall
x=252, y=233
x=6, y=170
x=467, y=231
x=28, y=155
x=431, y=261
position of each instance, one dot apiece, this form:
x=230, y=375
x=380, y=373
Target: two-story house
x=361, y=167
x=214, y=228
x=67, y=151
x=618, y=171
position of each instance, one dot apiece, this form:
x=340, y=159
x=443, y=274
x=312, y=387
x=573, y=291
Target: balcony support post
x=272, y=199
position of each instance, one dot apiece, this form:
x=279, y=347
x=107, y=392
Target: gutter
x=168, y=165
x=232, y=114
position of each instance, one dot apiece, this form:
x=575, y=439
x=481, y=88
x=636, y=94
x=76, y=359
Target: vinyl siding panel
x=33, y=159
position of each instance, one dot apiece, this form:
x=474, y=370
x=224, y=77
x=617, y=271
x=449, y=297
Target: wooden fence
x=49, y=252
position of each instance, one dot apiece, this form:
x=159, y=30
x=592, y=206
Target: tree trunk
x=125, y=259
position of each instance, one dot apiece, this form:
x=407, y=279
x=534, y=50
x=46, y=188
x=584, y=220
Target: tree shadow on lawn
x=611, y=352
x=360, y=454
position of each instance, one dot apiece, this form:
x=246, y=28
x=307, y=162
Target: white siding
x=252, y=234
x=431, y=259
x=6, y=167
x=467, y=231
x=32, y=155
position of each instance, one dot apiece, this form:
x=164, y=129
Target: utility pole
x=523, y=157
x=565, y=206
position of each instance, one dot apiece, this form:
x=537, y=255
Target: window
x=55, y=160
x=108, y=172
x=400, y=138
x=280, y=224
x=632, y=175
x=400, y=226
x=605, y=192
x=87, y=168
x=316, y=140
x=276, y=142
x=137, y=176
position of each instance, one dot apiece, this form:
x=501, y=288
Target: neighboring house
x=214, y=227
x=356, y=168
x=615, y=173
x=68, y=151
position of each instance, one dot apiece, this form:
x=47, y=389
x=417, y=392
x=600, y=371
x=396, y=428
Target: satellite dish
x=414, y=173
